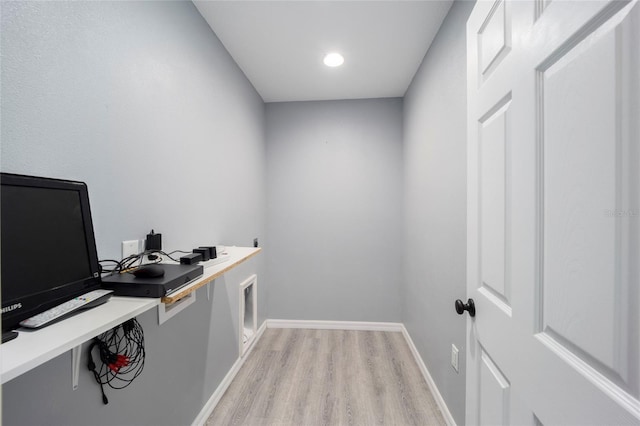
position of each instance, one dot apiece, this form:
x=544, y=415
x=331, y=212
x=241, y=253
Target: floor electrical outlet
x=130, y=247
x=454, y=358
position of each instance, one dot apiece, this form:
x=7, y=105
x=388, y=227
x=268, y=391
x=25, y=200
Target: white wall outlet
x=454, y=358
x=130, y=247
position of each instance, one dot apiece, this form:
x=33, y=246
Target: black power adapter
x=190, y=259
x=153, y=242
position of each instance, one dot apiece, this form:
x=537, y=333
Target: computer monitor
x=48, y=249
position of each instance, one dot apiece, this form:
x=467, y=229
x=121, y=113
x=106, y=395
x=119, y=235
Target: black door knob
x=469, y=306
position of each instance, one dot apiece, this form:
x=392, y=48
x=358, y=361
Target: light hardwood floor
x=328, y=377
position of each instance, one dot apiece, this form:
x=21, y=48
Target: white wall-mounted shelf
x=32, y=348
x=35, y=347
x=237, y=255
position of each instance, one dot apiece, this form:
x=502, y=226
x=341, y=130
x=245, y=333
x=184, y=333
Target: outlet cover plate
x=130, y=247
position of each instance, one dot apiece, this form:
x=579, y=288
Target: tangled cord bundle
x=122, y=354
x=136, y=260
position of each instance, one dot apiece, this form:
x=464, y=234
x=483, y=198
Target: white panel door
x=554, y=212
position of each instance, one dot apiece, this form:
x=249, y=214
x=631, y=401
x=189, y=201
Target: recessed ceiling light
x=333, y=60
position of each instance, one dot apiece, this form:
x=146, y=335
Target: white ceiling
x=279, y=45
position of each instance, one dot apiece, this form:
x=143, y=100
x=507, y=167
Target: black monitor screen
x=43, y=244
x=48, y=249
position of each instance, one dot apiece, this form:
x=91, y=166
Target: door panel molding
x=494, y=187
x=494, y=391
x=494, y=39
x=605, y=384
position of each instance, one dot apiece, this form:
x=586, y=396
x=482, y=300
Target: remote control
x=87, y=300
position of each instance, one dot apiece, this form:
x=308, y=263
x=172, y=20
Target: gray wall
x=141, y=101
x=334, y=173
x=435, y=206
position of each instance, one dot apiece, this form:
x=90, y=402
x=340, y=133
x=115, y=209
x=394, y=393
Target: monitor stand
x=9, y=335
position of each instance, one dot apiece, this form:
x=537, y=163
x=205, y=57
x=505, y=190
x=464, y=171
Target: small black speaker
x=212, y=251
x=204, y=252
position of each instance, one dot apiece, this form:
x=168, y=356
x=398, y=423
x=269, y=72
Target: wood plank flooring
x=328, y=377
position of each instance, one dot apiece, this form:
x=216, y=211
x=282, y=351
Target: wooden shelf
x=237, y=255
x=35, y=347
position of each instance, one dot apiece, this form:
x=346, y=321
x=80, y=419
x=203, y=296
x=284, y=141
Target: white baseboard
x=208, y=408
x=427, y=377
x=336, y=325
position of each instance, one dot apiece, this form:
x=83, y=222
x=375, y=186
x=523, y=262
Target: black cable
x=122, y=354
x=169, y=254
x=179, y=251
x=104, y=270
x=92, y=368
x=130, y=261
x=131, y=270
